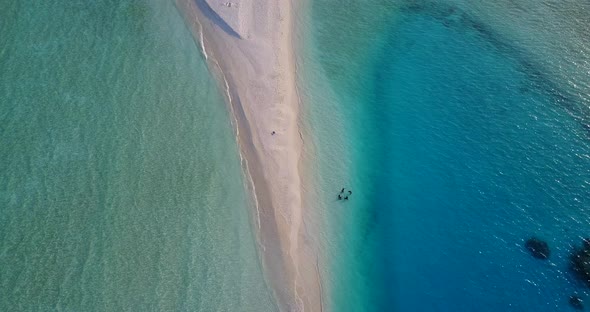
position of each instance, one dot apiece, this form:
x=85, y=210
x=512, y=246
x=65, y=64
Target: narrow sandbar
x=249, y=47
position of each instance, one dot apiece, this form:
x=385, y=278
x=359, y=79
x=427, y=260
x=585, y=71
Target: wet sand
x=249, y=48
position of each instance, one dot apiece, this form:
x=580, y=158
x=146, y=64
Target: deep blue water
x=473, y=156
x=463, y=147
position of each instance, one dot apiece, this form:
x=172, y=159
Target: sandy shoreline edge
x=249, y=48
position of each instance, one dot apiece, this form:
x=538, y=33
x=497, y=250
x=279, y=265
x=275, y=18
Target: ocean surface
x=120, y=182
x=462, y=130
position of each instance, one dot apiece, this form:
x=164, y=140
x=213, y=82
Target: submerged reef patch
x=580, y=262
x=576, y=302
x=538, y=248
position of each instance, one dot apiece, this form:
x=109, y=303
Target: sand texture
x=249, y=47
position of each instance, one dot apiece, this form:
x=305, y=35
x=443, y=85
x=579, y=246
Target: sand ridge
x=249, y=46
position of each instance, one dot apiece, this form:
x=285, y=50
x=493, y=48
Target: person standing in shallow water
x=340, y=196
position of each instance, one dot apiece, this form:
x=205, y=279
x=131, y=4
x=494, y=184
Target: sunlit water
x=462, y=130
x=120, y=183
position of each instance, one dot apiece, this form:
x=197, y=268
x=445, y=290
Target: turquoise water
x=462, y=129
x=461, y=138
x=120, y=183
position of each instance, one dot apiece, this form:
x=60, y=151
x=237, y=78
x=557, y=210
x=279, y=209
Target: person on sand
x=273, y=133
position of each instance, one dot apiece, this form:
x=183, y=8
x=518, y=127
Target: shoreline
x=250, y=50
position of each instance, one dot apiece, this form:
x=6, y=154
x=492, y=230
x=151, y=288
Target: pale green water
x=120, y=184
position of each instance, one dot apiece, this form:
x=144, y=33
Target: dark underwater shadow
x=379, y=208
x=456, y=18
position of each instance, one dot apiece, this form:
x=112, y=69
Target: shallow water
x=460, y=140
x=120, y=183
x=462, y=129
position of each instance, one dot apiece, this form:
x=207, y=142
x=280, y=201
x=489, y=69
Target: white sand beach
x=249, y=47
